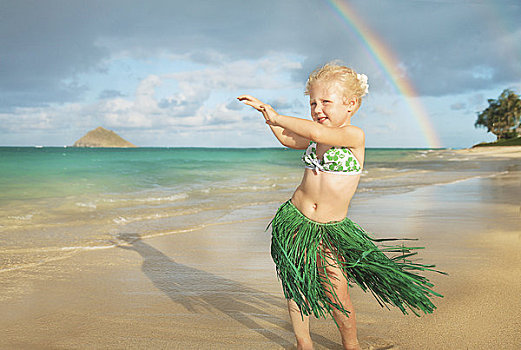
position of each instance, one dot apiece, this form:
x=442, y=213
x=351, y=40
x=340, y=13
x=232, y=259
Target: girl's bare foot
x=304, y=344
x=352, y=346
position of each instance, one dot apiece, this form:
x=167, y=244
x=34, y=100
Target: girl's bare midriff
x=324, y=197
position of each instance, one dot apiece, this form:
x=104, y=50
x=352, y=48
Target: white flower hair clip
x=362, y=78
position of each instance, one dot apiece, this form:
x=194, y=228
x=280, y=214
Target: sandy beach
x=215, y=287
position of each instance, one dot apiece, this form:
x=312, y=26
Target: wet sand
x=215, y=288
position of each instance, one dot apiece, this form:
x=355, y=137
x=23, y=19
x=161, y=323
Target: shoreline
x=257, y=148
x=216, y=287
x=498, y=151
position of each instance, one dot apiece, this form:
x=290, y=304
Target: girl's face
x=328, y=104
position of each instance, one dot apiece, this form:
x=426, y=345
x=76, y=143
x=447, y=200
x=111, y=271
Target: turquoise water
x=32, y=173
x=58, y=200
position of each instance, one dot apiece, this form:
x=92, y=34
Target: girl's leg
x=346, y=325
x=300, y=327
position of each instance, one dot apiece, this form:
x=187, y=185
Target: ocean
x=58, y=201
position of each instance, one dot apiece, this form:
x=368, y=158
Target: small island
x=101, y=137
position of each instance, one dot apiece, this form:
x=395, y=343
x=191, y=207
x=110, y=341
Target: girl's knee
x=292, y=306
x=336, y=284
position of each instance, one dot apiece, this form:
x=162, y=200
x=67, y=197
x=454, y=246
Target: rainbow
x=388, y=64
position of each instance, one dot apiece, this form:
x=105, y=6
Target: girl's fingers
x=252, y=104
x=263, y=111
x=258, y=105
x=248, y=98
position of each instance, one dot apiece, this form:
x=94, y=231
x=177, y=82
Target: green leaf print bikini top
x=338, y=160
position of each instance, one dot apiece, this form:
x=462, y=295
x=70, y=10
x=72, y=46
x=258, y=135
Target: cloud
x=458, y=106
x=42, y=48
x=40, y=118
x=451, y=47
x=222, y=117
x=283, y=103
x=267, y=72
x=234, y=105
x=443, y=47
x=384, y=129
x=108, y=94
x=187, y=108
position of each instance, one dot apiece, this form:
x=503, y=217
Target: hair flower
x=362, y=78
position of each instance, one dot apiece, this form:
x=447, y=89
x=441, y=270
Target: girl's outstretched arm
x=286, y=137
x=347, y=136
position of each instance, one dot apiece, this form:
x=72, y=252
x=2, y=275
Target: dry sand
x=494, y=151
x=216, y=289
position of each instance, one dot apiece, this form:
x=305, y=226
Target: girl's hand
x=267, y=111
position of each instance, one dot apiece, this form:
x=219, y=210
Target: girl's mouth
x=321, y=119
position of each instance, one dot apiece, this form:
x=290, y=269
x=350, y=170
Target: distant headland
x=101, y=137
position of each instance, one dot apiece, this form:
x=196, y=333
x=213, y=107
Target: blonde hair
x=332, y=72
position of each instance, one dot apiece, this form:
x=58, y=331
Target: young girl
x=315, y=247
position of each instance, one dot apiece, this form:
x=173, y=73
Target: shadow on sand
x=196, y=289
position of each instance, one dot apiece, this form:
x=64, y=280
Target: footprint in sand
x=372, y=343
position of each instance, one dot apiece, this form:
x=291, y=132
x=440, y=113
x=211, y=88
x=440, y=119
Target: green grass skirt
x=298, y=246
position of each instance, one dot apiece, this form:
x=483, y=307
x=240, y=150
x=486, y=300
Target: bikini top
x=338, y=160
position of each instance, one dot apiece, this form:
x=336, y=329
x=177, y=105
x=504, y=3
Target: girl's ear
x=351, y=101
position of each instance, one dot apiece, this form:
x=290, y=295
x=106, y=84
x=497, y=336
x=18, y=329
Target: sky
x=167, y=73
